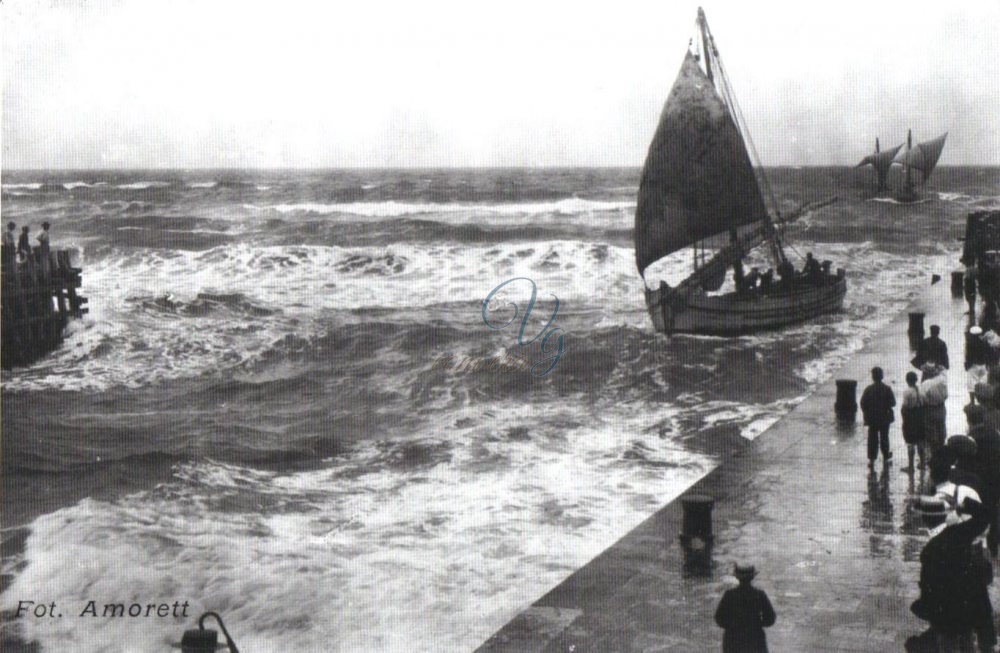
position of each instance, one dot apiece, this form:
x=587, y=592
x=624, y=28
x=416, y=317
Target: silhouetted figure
x=934, y=392
x=932, y=350
x=877, y=402
x=812, y=271
x=24, y=244
x=987, y=465
x=9, y=242
x=744, y=612
x=912, y=412
x=953, y=583
x=786, y=271
x=978, y=357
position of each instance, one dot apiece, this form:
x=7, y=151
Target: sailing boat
x=881, y=161
x=923, y=158
x=698, y=182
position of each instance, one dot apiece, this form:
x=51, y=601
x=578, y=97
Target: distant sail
x=881, y=161
x=924, y=156
x=697, y=180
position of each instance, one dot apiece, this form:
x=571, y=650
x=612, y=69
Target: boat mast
x=725, y=91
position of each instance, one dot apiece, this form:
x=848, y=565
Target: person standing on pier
x=9, y=242
x=933, y=350
x=43, y=247
x=24, y=244
x=953, y=584
x=987, y=466
x=912, y=413
x=743, y=614
x=934, y=391
x=978, y=357
x=877, y=402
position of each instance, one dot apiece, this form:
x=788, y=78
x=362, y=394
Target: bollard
x=846, y=406
x=957, y=283
x=697, y=519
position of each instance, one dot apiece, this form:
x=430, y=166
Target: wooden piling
x=39, y=298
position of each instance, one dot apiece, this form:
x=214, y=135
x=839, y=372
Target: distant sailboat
x=881, y=161
x=698, y=182
x=922, y=158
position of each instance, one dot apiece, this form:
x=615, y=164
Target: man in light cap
x=743, y=613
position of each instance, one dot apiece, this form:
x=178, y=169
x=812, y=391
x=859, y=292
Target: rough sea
x=250, y=416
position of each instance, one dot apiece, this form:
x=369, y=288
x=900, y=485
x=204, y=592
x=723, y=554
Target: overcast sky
x=157, y=83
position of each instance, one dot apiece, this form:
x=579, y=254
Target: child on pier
x=744, y=612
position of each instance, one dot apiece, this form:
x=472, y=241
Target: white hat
x=976, y=331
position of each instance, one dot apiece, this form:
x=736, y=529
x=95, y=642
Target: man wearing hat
x=953, y=586
x=934, y=391
x=743, y=613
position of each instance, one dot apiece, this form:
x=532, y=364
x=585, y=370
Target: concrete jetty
x=836, y=545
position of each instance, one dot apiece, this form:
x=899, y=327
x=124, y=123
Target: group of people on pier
x=20, y=247
x=961, y=504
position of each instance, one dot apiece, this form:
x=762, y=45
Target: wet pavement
x=835, y=545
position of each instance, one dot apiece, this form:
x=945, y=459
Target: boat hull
x=733, y=314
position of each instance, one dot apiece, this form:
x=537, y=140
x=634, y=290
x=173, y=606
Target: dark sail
x=881, y=161
x=924, y=156
x=697, y=180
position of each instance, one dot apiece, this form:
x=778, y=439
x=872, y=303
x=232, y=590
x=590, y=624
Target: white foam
x=139, y=185
x=32, y=186
x=202, y=184
x=360, y=555
x=390, y=208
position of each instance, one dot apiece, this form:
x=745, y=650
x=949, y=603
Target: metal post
x=846, y=405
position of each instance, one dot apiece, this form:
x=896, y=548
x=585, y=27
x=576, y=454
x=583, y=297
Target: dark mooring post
x=697, y=529
x=846, y=405
x=696, y=538
x=957, y=283
x=916, y=330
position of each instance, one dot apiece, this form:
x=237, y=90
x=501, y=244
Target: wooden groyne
x=39, y=296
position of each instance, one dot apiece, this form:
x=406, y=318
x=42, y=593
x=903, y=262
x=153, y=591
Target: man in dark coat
x=953, y=587
x=932, y=349
x=744, y=612
x=987, y=467
x=877, y=402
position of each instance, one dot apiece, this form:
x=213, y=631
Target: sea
x=272, y=411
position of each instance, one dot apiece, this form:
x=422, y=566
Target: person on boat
x=812, y=270
x=912, y=413
x=24, y=244
x=786, y=271
x=751, y=280
x=877, y=402
x=767, y=281
x=743, y=614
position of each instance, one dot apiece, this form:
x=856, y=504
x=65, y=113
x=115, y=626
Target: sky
x=373, y=83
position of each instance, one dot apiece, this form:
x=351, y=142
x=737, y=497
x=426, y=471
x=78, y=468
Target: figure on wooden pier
x=24, y=243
